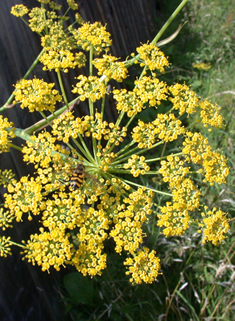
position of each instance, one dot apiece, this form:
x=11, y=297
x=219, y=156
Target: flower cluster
x=89, y=183
x=19, y=10
x=6, y=133
x=214, y=226
x=165, y=128
x=6, y=219
x=6, y=176
x=198, y=150
x=23, y=197
x=186, y=101
x=111, y=68
x=152, y=57
x=91, y=87
x=93, y=35
x=137, y=165
x=36, y=94
x=202, y=66
x=143, y=267
x=5, y=246
x=48, y=249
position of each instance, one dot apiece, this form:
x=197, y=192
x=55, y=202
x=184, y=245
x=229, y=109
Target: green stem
x=72, y=148
x=89, y=156
x=91, y=105
x=109, y=177
x=84, y=149
x=90, y=62
x=120, y=116
x=45, y=18
x=102, y=107
x=160, y=158
x=42, y=123
x=160, y=33
x=17, y=244
x=151, y=189
x=126, y=147
x=169, y=21
x=15, y=146
x=123, y=157
x=119, y=171
x=25, y=136
x=130, y=120
x=45, y=117
x=62, y=89
x=24, y=21
x=10, y=99
x=64, y=15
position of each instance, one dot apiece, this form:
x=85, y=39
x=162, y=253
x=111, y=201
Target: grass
x=198, y=281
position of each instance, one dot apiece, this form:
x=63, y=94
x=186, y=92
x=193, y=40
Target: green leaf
x=196, y=84
x=80, y=288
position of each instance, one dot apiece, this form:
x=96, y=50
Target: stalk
x=62, y=89
x=10, y=99
x=161, y=32
x=151, y=189
x=42, y=123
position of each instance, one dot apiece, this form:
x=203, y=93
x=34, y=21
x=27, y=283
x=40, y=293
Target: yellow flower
x=90, y=87
x=174, y=219
x=152, y=57
x=128, y=101
x=36, y=94
x=184, y=99
x=61, y=212
x=151, y=90
x=19, y=10
x=215, y=167
x=6, y=176
x=93, y=35
x=214, y=226
x=209, y=114
x=165, y=127
x=196, y=147
x=202, y=66
x=6, y=219
x=37, y=20
x=72, y=4
x=23, y=197
x=5, y=244
x=111, y=68
x=6, y=133
x=143, y=267
x=63, y=127
x=48, y=249
x=137, y=165
x=173, y=170
x=89, y=260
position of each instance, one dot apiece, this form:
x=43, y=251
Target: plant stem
x=160, y=33
x=46, y=119
x=169, y=21
x=84, y=149
x=25, y=136
x=151, y=189
x=160, y=158
x=17, y=244
x=39, y=125
x=62, y=89
x=15, y=146
x=10, y=99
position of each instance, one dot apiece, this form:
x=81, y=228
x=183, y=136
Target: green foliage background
x=198, y=281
